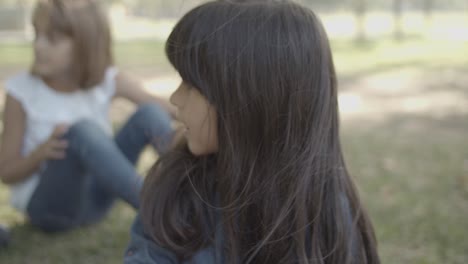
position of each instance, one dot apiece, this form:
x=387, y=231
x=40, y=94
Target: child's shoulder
x=20, y=86
x=20, y=80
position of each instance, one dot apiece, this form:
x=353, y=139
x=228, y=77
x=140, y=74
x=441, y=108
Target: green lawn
x=144, y=53
x=411, y=174
x=411, y=167
x=351, y=59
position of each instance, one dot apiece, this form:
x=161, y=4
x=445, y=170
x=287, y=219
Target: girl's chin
x=192, y=147
x=198, y=150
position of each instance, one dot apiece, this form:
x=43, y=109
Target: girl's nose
x=175, y=98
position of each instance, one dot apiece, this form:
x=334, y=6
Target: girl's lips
x=183, y=127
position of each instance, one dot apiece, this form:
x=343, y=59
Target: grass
x=411, y=175
x=371, y=56
x=383, y=55
x=411, y=168
x=129, y=54
x=15, y=55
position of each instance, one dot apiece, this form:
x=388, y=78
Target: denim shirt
x=142, y=250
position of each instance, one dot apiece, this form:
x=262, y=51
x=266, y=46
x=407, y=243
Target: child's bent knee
x=83, y=129
x=53, y=223
x=149, y=112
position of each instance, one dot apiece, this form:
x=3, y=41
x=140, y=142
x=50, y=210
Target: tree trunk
x=428, y=8
x=397, y=13
x=360, y=13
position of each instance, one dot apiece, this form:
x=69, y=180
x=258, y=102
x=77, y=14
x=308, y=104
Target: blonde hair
x=86, y=23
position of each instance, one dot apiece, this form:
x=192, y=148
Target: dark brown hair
x=86, y=23
x=278, y=187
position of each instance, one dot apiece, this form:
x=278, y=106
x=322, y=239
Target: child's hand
x=55, y=147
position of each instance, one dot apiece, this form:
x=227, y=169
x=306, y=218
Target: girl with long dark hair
x=260, y=175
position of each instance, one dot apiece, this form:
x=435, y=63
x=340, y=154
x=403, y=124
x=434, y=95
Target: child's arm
x=129, y=88
x=13, y=166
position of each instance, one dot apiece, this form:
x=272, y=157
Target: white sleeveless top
x=46, y=108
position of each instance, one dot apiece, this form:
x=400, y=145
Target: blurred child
x=58, y=154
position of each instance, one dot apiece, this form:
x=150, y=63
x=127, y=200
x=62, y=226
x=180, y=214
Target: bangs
x=183, y=50
x=51, y=15
x=188, y=45
x=212, y=46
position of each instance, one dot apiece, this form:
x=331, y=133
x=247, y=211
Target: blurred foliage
x=170, y=8
x=387, y=4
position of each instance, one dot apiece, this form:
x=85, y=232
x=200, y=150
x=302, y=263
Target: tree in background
x=159, y=8
x=360, y=8
x=13, y=14
x=397, y=16
x=428, y=6
x=326, y=5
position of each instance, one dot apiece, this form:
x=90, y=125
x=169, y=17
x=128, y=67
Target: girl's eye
x=54, y=36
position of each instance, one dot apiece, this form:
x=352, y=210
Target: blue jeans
x=81, y=188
